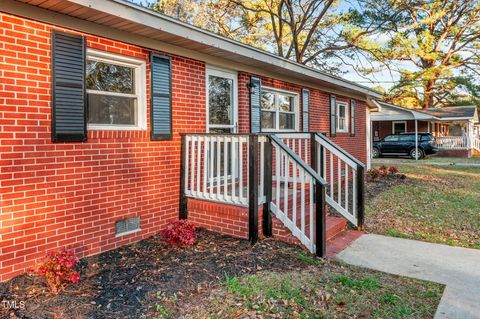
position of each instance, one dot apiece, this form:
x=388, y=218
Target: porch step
x=335, y=226
x=341, y=241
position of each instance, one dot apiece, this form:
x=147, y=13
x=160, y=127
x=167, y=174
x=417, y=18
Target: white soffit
x=126, y=16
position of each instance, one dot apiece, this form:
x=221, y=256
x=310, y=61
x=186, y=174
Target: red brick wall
x=385, y=127
x=319, y=113
x=71, y=194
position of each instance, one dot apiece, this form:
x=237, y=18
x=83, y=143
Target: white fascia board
x=455, y=119
x=146, y=17
x=416, y=115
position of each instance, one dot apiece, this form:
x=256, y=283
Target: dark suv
x=404, y=144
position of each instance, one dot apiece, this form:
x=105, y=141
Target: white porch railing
x=294, y=200
x=451, y=142
x=476, y=143
x=338, y=167
x=287, y=173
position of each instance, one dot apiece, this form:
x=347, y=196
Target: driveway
x=441, y=161
x=458, y=268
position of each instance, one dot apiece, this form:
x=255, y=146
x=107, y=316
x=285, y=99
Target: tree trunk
x=428, y=94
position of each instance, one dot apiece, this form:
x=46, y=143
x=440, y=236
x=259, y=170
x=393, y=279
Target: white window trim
x=346, y=129
x=228, y=74
x=140, y=67
x=296, y=112
x=399, y=122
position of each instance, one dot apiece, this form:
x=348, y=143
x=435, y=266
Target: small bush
x=393, y=169
x=373, y=174
x=57, y=268
x=180, y=233
x=383, y=170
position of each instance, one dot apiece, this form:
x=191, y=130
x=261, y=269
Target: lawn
x=221, y=277
x=325, y=290
x=438, y=204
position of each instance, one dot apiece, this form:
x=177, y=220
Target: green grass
x=456, y=160
x=329, y=290
x=438, y=204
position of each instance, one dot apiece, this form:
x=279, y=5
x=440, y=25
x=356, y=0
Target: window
x=407, y=138
x=279, y=110
x=391, y=138
x=115, y=91
x=342, y=117
x=221, y=101
x=399, y=127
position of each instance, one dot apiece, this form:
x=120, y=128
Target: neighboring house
x=116, y=120
x=453, y=127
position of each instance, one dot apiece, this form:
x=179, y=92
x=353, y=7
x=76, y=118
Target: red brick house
x=455, y=128
x=102, y=103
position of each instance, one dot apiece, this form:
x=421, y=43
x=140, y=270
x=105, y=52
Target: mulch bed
x=381, y=184
x=125, y=282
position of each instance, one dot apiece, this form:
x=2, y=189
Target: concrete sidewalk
x=458, y=268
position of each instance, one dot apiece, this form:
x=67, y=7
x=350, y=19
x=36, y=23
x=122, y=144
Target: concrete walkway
x=457, y=268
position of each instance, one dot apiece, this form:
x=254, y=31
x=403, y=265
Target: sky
x=384, y=79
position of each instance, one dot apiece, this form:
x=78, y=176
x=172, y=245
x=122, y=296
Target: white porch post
x=469, y=134
x=369, y=140
x=416, y=140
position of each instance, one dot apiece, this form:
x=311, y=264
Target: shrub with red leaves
x=393, y=170
x=383, y=170
x=373, y=174
x=57, y=268
x=180, y=233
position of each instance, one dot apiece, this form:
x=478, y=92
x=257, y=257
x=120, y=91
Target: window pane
x=406, y=138
x=104, y=109
x=399, y=128
x=391, y=138
x=108, y=77
x=218, y=130
x=287, y=121
x=220, y=100
x=268, y=120
x=342, y=122
x=285, y=103
x=268, y=100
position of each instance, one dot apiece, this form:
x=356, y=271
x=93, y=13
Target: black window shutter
x=69, y=111
x=306, y=107
x=333, y=115
x=161, y=98
x=352, y=117
x=255, y=105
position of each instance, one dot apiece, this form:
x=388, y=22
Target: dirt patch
x=127, y=282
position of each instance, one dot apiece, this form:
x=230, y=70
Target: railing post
x=183, y=214
x=267, y=188
x=313, y=152
x=253, y=189
x=360, y=196
x=320, y=221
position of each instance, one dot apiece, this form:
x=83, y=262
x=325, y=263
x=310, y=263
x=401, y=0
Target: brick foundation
x=455, y=153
